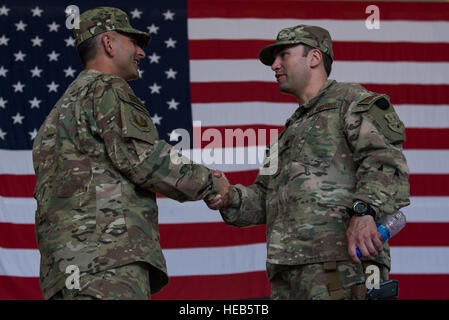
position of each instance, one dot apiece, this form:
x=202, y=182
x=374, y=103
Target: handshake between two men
x=224, y=198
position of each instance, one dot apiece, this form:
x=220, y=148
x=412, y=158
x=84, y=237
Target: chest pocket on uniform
x=317, y=146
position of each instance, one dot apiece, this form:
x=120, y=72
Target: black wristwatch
x=360, y=208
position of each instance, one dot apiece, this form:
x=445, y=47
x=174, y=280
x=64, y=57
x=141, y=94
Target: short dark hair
x=88, y=49
x=327, y=61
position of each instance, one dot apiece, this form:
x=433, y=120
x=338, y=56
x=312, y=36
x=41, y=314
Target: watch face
x=360, y=207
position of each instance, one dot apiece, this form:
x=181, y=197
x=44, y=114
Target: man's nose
x=140, y=53
x=276, y=64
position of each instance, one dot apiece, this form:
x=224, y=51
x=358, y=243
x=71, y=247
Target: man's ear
x=107, y=42
x=315, y=58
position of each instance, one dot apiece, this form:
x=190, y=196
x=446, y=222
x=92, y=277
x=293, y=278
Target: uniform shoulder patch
x=387, y=120
x=136, y=121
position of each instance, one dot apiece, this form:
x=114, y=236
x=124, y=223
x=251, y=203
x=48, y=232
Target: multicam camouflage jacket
x=99, y=163
x=343, y=144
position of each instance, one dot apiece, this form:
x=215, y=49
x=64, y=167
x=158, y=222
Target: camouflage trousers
x=128, y=282
x=345, y=280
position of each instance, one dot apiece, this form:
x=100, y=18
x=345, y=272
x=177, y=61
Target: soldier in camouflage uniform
x=340, y=152
x=99, y=163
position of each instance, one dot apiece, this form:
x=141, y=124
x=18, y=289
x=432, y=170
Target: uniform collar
x=324, y=88
x=312, y=102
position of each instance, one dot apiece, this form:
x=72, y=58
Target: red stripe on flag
x=224, y=286
x=209, y=92
x=422, y=286
x=20, y=288
x=351, y=10
x=417, y=138
x=420, y=184
x=431, y=185
x=16, y=185
x=428, y=234
x=426, y=139
x=343, y=51
x=234, y=286
x=17, y=236
x=217, y=234
x=173, y=236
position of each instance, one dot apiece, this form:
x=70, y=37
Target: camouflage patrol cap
x=313, y=36
x=102, y=19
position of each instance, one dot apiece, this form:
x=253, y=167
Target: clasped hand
x=224, y=197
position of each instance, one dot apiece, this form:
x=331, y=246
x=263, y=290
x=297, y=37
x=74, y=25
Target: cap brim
x=143, y=38
x=266, y=55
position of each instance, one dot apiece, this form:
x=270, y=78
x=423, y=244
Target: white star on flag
x=156, y=119
x=3, y=40
x=155, y=88
x=3, y=71
x=37, y=41
x=170, y=43
x=18, y=118
x=174, y=136
x=35, y=103
x=2, y=134
x=153, y=28
x=53, y=87
x=140, y=72
x=53, y=56
x=69, y=72
x=37, y=12
x=136, y=13
x=4, y=11
x=171, y=74
x=173, y=104
x=36, y=72
x=69, y=42
x=168, y=15
x=18, y=86
x=53, y=27
x=20, y=26
x=20, y=56
x=33, y=134
x=154, y=58
x=3, y=103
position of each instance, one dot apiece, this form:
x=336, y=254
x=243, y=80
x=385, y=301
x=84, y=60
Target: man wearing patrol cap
x=99, y=163
x=340, y=168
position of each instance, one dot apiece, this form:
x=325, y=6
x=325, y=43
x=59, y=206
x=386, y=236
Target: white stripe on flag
x=216, y=260
x=267, y=29
x=19, y=262
x=16, y=162
x=224, y=114
x=21, y=211
x=222, y=260
x=419, y=260
x=250, y=158
x=361, y=72
x=423, y=116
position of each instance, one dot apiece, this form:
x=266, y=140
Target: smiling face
x=127, y=56
x=291, y=69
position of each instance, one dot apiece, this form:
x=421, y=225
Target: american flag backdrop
x=202, y=65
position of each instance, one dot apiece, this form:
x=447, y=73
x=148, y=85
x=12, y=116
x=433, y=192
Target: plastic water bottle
x=388, y=226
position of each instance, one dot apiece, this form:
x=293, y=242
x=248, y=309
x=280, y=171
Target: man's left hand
x=362, y=233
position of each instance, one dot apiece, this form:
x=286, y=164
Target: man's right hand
x=224, y=198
